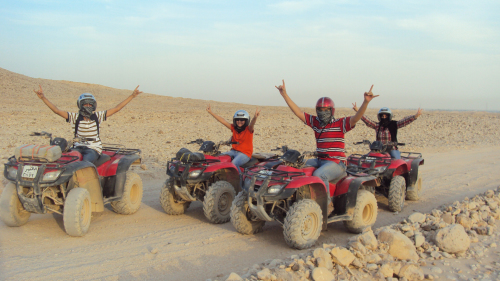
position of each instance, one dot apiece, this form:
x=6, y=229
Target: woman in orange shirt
x=242, y=129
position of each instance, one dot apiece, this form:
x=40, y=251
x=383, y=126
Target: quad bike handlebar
x=388, y=143
x=282, y=149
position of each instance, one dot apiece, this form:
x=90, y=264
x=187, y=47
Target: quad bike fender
x=345, y=202
x=69, y=171
x=88, y=178
x=399, y=167
x=221, y=165
x=413, y=175
x=123, y=165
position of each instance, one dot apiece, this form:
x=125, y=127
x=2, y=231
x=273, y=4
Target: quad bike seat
x=250, y=163
x=185, y=155
x=334, y=181
x=103, y=158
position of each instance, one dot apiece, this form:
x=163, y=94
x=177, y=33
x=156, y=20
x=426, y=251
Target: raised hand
x=354, y=107
x=281, y=88
x=136, y=92
x=369, y=95
x=257, y=113
x=419, y=112
x=209, y=109
x=39, y=93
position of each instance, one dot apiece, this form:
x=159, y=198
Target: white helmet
x=86, y=98
x=384, y=110
x=241, y=114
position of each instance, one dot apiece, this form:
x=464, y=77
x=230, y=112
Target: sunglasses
x=243, y=120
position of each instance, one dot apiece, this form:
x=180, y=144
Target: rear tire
x=12, y=211
x=414, y=195
x=239, y=219
x=168, y=200
x=132, y=195
x=217, y=202
x=365, y=212
x=303, y=224
x=77, y=212
x=397, y=194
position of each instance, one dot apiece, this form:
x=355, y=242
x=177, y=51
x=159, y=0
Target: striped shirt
x=384, y=135
x=88, y=129
x=330, y=139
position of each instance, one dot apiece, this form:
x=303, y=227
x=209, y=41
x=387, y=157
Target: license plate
x=29, y=172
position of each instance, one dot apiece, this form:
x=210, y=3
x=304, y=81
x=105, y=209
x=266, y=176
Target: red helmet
x=326, y=102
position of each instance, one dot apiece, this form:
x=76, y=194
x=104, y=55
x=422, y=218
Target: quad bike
x=291, y=195
x=209, y=177
x=69, y=186
x=399, y=178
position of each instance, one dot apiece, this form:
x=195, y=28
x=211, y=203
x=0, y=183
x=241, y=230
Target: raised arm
x=52, y=107
x=114, y=110
x=408, y=119
x=254, y=119
x=218, y=118
x=369, y=123
x=368, y=96
x=295, y=109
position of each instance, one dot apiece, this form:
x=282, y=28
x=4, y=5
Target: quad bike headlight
x=12, y=173
x=275, y=189
x=194, y=174
x=51, y=176
x=381, y=169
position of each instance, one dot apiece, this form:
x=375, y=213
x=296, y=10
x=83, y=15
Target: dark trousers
x=88, y=154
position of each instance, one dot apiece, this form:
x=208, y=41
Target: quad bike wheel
x=12, y=211
x=303, y=224
x=365, y=212
x=217, y=202
x=132, y=195
x=413, y=193
x=397, y=194
x=77, y=212
x=169, y=202
x=239, y=219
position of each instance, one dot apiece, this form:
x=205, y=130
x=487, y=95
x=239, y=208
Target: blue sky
x=432, y=54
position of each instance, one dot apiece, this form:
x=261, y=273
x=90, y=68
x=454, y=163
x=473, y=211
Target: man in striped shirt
x=329, y=133
x=387, y=129
x=85, y=123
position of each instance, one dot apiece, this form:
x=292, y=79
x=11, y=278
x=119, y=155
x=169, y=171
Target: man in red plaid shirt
x=329, y=133
x=387, y=129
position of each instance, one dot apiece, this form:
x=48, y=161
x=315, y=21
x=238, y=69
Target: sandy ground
x=461, y=151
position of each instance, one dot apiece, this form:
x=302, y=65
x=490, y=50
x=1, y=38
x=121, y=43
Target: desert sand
x=461, y=151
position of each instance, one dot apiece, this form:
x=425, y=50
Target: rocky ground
x=455, y=242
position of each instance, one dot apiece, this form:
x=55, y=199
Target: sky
x=425, y=53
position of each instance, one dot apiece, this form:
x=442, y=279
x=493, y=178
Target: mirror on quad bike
x=207, y=146
x=197, y=141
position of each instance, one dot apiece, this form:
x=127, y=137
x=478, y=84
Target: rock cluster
x=395, y=252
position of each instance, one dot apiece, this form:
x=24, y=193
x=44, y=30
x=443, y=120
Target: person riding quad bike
x=86, y=122
x=387, y=129
x=242, y=130
x=329, y=133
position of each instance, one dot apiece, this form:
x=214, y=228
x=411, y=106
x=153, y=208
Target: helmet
x=83, y=99
x=384, y=110
x=326, y=102
x=241, y=114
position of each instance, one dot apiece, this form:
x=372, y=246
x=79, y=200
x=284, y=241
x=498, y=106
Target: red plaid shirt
x=384, y=135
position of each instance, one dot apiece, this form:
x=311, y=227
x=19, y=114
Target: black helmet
x=86, y=98
x=61, y=142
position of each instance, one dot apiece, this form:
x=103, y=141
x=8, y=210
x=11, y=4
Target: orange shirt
x=245, y=141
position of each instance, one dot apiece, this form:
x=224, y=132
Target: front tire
x=303, y=224
x=239, y=219
x=397, y=194
x=414, y=194
x=168, y=200
x=365, y=212
x=132, y=195
x=12, y=211
x=77, y=212
x=217, y=202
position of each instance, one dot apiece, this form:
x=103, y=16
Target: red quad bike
x=64, y=184
x=291, y=195
x=209, y=177
x=398, y=178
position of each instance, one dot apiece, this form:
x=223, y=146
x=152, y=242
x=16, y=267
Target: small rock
x=436, y=270
x=411, y=272
x=419, y=240
x=234, y=277
x=386, y=270
x=371, y=266
x=342, y=257
x=264, y=274
x=154, y=251
x=368, y=239
x=400, y=246
x=416, y=218
x=322, y=274
x=452, y=239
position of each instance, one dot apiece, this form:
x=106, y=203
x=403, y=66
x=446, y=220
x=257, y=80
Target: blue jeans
x=238, y=158
x=327, y=171
x=396, y=154
x=88, y=154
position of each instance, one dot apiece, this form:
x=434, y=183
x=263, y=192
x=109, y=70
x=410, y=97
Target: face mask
x=86, y=111
x=324, y=117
